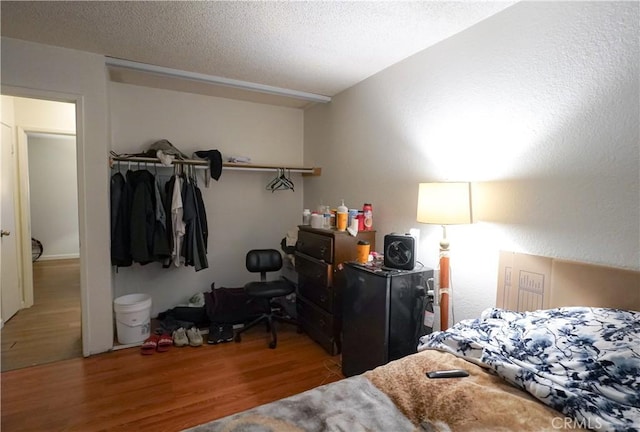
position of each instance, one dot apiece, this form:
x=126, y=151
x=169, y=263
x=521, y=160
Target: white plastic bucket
x=133, y=318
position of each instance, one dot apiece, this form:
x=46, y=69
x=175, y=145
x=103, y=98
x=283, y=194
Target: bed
x=558, y=351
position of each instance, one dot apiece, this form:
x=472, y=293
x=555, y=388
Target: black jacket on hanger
x=143, y=219
x=120, y=221
x=193, y=248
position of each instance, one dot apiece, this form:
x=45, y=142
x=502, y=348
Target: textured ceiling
x=318, y=47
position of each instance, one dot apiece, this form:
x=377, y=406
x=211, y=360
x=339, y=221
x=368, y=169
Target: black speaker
x=399, y=251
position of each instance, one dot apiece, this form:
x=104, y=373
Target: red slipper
x=150, y=345
x=164, y=342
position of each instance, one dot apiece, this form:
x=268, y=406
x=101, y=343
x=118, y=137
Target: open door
x=10, y=289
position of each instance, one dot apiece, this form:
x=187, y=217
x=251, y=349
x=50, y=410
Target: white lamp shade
x=444, y=203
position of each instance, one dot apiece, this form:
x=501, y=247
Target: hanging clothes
x=202, y=217
x=168, y=204
x=161, y=249
x=120, y=221
x=154, y=222
x=143, y=219
x=177, y=222
x=194, y=249
x=189, y=217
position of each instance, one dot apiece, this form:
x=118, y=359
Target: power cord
x=431, y=285
x=331, y=366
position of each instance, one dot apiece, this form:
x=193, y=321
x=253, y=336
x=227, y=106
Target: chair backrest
x=263, y=261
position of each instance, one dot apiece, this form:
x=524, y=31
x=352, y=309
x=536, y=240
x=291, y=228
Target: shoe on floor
x=164, y=342
x=150, y=345
x=214, y=334
x=195, y=338
x=227, y=333
x=180, y=338
x=220, y=333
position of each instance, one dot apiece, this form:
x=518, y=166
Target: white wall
x=241, y=213
x=537, y=105
x=45, y=115
x=53, y=185
x=34, y=70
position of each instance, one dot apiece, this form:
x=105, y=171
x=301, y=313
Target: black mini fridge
x=383, y=313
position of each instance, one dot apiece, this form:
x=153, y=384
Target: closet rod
x=203, y=164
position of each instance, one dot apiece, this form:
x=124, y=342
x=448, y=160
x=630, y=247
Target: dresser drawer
x=318, y=324
x=314, y=270
x=315, y=245
x=317, y=293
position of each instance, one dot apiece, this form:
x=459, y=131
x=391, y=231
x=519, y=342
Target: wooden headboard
x=529, y=282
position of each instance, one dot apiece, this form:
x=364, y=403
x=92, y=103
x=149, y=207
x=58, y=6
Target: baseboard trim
x=58, y=257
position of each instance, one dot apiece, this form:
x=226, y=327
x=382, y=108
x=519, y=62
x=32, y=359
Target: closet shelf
x=203, y=164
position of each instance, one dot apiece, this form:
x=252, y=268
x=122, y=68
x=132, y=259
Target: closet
x=157, y=217
x=152, y=222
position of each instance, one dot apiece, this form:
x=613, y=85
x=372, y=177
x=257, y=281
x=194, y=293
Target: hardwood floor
x=50, y=330
x=126, y=391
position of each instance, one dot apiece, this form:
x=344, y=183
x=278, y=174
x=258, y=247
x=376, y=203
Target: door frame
x=25, y=251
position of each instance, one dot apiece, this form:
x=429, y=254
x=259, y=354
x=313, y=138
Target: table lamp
x=444, y=204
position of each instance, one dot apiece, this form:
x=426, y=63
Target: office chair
x=263, y=261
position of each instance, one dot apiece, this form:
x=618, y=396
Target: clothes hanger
x=288, y=180
x=207, y=176
x=274, y=182
x=285, y=182
x=193, y=175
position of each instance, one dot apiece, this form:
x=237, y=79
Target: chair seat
x=275, y=288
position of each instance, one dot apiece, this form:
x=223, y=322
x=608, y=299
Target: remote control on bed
x=454, y=373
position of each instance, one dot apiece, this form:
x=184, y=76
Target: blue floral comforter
x=583, y=362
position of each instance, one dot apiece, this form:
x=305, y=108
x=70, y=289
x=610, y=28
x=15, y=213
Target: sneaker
x=180, y=337
x=227, y=333
x=195, y=338
x=214, y=334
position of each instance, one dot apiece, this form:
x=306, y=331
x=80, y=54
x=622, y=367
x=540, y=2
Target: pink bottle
x=360, y=218
x=367, y=211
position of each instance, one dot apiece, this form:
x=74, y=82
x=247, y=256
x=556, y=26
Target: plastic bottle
x=316, y=220
x=306, y=217
x=353, y=214
x=327, y=218
x=360, y=218
x=367, y=210
x=342, y=214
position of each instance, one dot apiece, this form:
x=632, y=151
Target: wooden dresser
x=319, y=255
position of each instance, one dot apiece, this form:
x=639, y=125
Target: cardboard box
x=529, y=282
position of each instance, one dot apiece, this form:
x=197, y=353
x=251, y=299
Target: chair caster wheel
x=272, y=345
x=237, y=338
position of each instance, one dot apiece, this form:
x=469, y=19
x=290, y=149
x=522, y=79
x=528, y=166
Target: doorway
x=48, y=327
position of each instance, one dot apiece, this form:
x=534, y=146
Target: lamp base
x=444, y=292
x=444, y=280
